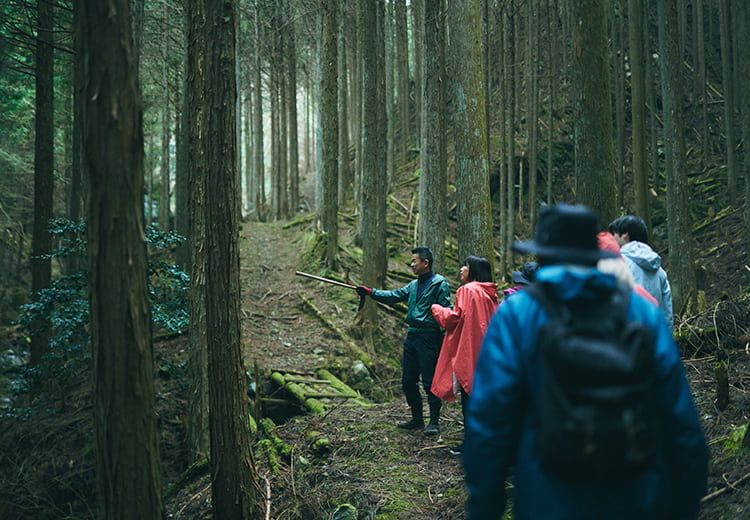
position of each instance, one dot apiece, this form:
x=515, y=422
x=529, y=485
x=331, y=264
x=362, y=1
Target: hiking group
x=576, y=385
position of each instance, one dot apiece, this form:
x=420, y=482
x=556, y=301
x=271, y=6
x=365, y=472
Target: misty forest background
x=136, y=135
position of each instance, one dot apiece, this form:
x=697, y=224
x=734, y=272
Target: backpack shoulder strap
x=619, y=301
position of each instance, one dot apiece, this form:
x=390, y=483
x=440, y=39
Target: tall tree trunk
x=75, y=212
x=743, y=20
x=283, y=152
x=181, y=217
x=164, y=170
x=505, y=253
x=373, y=208
x=127, y=448
x=402, y=73
x=700, y=77
x=472, y=164
x=433, y=179
x=417, y=23
x=553, y=61
x=44, y=164
x=729, y=102
x=345, y=171
x=273, y=94
x=329, y=205
x=638, y=109
x=235, y=493
x=258, y=149
x=357, y=92
x=618, y=65
x=198, y=436
x=165, y=131
x=293, y=130
x=594, y=155
x=510, y=131
x=391, y=98
x=533, y=111
x=247, y=148
x=652, y=88
x=679, y=229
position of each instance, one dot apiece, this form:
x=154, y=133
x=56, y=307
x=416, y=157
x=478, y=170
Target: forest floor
x=365, y=461
x=387, y=473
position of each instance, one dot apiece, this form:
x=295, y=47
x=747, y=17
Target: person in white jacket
x=631, y=233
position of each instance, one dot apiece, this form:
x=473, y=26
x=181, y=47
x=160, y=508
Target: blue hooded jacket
x=500, y=433
x=645, y=264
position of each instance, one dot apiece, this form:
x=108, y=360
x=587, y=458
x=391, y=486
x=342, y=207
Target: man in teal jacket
x=424, y=337
x=501, y=425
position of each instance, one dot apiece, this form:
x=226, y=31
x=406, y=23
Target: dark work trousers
x=421, y=351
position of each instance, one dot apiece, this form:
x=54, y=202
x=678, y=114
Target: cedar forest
x=167, y=165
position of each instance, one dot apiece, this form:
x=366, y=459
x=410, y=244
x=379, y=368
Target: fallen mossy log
x=268, y=428
x=302, y=220
x=307, y=390
x=342, y=387
x=312, y=404
x=265, y=447
x=271, y=446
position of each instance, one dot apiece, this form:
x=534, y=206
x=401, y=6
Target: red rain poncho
x=465, y=326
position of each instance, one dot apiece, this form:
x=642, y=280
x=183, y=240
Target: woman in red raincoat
x=465, y=324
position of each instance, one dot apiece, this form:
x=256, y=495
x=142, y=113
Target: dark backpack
x=595, y=416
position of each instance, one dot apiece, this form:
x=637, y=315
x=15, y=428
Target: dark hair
x=633, y=225
x=480, y=269
x=424, y=253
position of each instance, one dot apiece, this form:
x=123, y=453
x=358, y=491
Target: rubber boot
x=416, y=419
x=433, y=428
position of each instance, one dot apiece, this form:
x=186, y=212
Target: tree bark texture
x=472, y=164
x=638, y=109
x=373, y=207
x=729, y=97
x=291, y=92
x=417, y=17
x=594, y=153
x=198, y=435
x=329, y=121
x=433, y=179
x=345, y=177
x=402, y=73
x=127, y=448
x=41, y=240
x=743, y=19
x=235, y=492
x=681, y=264
x=258, y=150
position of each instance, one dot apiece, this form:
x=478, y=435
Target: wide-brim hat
x=567, y=234
x=527, y=274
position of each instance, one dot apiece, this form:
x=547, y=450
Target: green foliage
x=63, y=308
x=733, y=443
x=313, y=253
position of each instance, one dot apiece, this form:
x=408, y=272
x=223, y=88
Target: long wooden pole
x=326, y=280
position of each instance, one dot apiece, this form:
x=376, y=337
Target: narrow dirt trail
x=276, y=334
x=367, y=461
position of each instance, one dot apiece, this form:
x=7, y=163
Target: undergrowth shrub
x=62, y=309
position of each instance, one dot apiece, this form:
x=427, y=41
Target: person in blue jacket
x=500, y=430
x=631, y=234
x=424, y=337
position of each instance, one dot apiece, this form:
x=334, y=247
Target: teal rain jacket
x=419, y=313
